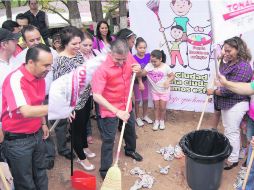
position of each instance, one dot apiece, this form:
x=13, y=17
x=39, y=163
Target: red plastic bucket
x=83, y=181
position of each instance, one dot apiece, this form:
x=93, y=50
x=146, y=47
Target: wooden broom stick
x=54, y=125
x=248, y=170
x=124, y=123
x=204, y=108
x=5, y=183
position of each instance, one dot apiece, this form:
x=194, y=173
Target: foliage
x=46, y=5
x=110, y=4
x=14, y=3
x=110, y=8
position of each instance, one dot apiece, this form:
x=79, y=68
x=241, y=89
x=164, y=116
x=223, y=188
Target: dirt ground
x=178, y=124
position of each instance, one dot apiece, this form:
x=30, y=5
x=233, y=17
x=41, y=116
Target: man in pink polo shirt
x=23, y=120
x=111, y=86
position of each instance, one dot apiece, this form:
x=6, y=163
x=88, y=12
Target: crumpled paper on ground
x=170, y=152
x=164, y=170
x=145, y=179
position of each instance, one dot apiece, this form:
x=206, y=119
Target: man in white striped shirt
x=8, y=43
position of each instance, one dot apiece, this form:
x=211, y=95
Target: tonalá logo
x=238, y=8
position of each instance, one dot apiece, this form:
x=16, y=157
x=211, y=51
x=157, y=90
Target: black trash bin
x=205, y=152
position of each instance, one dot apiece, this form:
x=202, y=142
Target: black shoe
x=136, y=156
x=184, y=66
x=230, y=166
x=68, y=156
x=172, y=66
x=51, y=164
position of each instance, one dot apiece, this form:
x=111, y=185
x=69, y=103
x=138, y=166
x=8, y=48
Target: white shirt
x=21, y=58
x=5, y=68
x=157, y=76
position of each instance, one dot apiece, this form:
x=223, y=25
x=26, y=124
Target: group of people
x=29, y=65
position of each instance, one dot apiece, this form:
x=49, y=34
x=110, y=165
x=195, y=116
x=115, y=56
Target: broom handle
x=164, y=35
x=54, y=125
x=248, y=170
x=5, y=183
x=204, y=108
x=124, y=123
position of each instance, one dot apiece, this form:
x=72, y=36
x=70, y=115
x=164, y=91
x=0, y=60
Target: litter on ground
x=145, y=179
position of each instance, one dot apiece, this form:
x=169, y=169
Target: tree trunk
x=99, y=13
x=96, y=12
x=7, y=5
x=74, y=14
x=123, y=14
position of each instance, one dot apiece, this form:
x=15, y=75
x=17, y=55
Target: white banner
x=158, y=22
x=231, y=18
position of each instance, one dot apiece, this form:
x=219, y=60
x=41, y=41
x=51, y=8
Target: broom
x=54, y=125
x=5, y=183
x=248, y=170
x=113, y=179
x=153, y=5
x=204, y=108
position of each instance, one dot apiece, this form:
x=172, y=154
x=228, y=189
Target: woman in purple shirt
x=233, y=106
x=103, y=36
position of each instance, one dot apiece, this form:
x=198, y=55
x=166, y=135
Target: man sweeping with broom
x=111, y=86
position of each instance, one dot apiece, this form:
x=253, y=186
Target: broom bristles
x=113, y=179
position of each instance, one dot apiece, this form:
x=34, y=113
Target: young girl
x=159, y=76
x=141, y=85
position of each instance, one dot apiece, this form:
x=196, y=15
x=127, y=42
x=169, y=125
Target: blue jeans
x=250, y=182
x=250, y=128
x=26, y=158
x=108, y=132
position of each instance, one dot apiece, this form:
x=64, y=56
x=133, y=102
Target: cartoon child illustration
x=181, y=8
x=177, y=34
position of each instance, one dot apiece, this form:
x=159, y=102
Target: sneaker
x=140, y=122
x=243, y=153
x=148, y=120
x=86, y=164
x=162, y=125
x=156, y=125
x=89, y=153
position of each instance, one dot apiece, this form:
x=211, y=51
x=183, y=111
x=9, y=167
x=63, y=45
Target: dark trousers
x=79, y=127
x=26, y=158
x=61, y=139
x=108, y=132
x=98, y=116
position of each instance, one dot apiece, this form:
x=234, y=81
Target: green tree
x=72, y=7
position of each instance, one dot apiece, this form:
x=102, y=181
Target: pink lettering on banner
x=78, y=84
x=238, y=9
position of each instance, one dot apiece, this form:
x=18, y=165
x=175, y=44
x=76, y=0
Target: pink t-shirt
x=113, y=83
x=21, y=88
